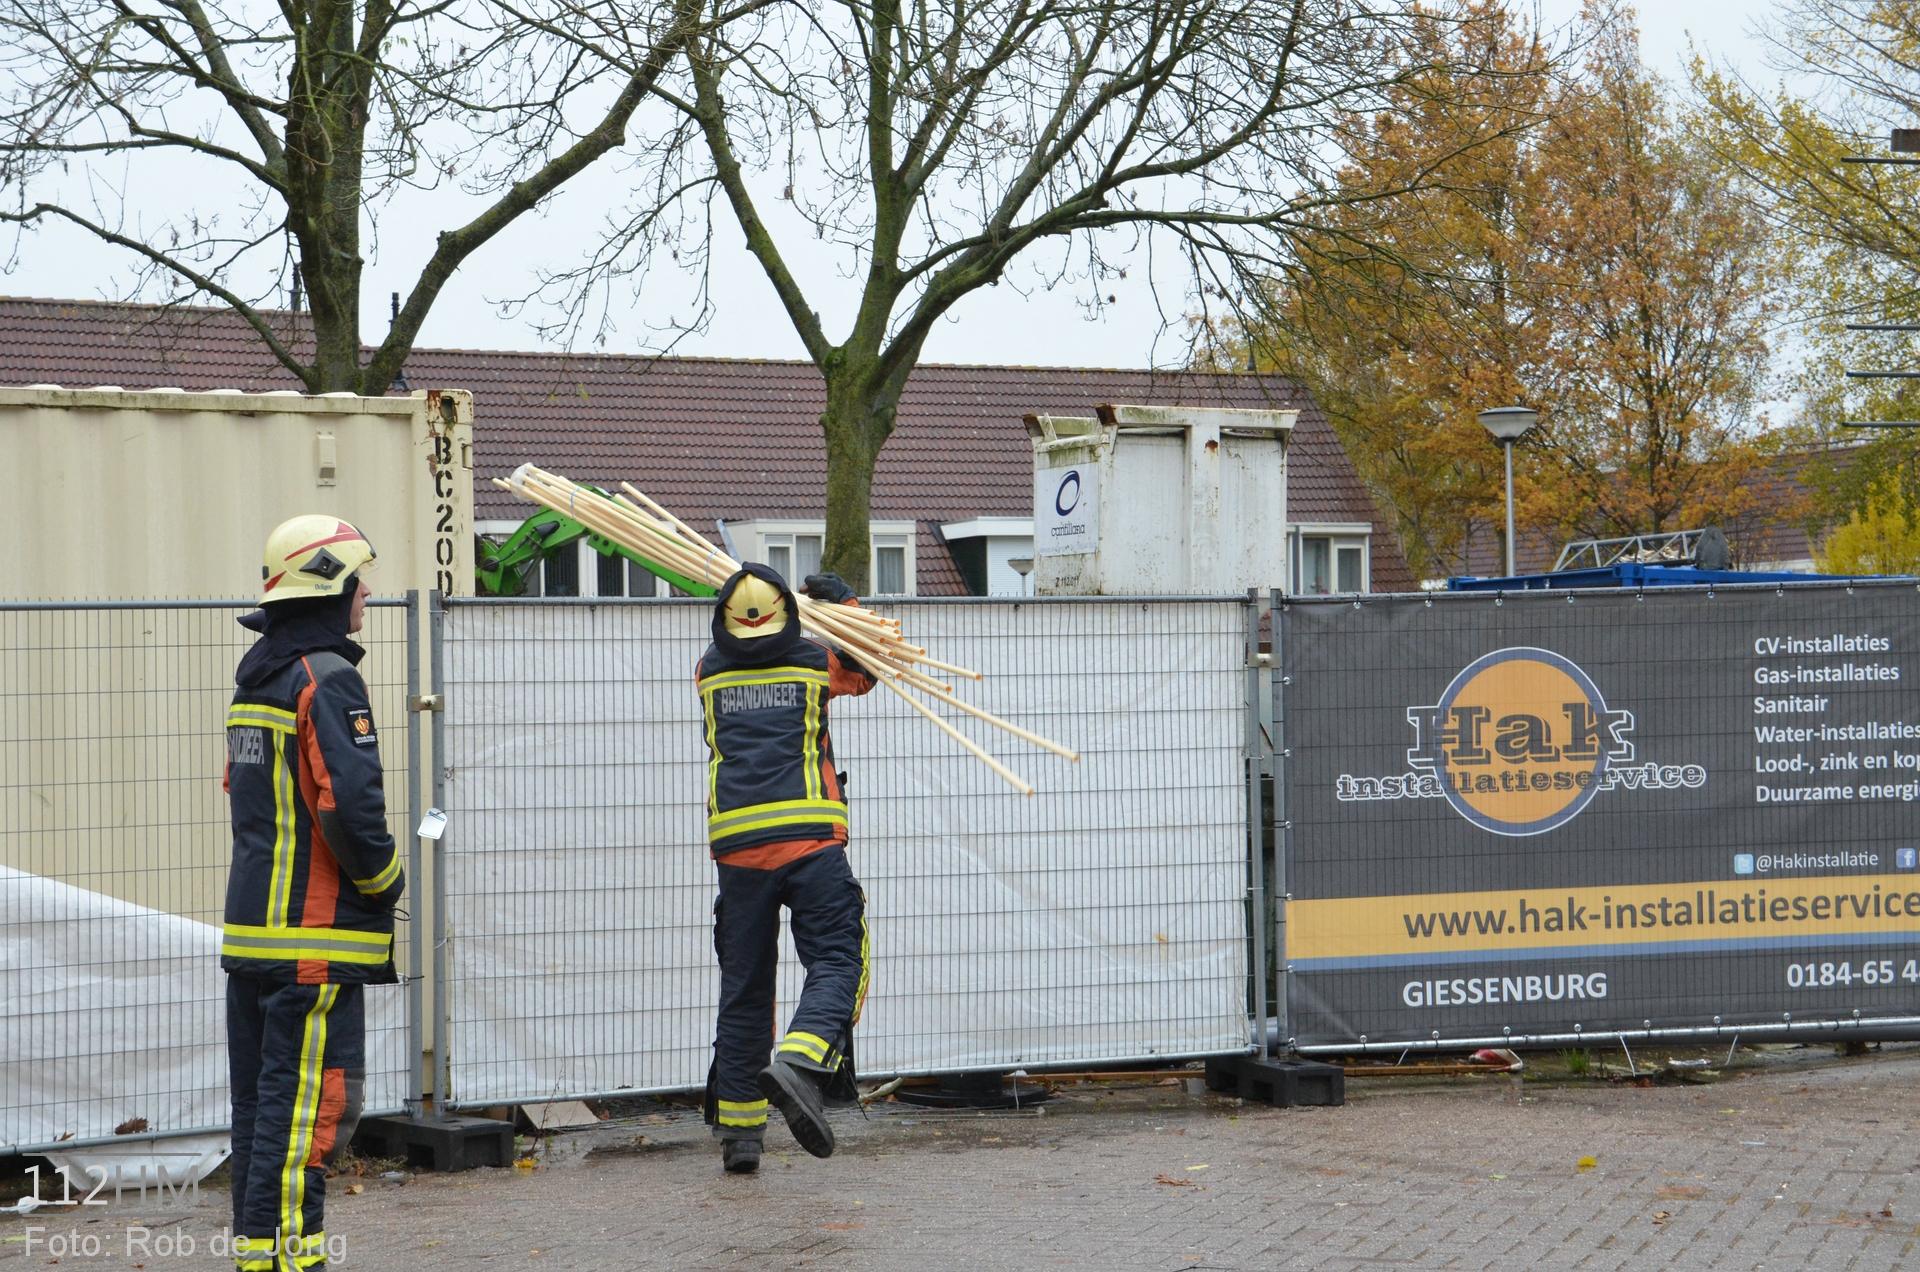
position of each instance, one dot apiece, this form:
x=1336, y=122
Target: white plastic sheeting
x=116, y=1013
x=1102, y=920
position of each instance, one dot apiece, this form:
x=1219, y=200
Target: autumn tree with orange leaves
x=1589, y=265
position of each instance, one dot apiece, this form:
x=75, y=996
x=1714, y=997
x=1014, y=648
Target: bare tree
x=928, y=145
x=320, y=109
x=1853, y=229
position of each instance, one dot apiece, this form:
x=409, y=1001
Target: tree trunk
x=335, y=300
x=326, y=146
x=857, y=422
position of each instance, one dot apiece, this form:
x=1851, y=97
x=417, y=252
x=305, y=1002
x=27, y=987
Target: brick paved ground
x=1801, y=1166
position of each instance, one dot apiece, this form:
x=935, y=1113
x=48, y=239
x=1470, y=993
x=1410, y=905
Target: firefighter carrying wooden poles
x=777, y=826
x=315, y=877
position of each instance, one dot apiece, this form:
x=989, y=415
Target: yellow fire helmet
x=755, y=608
x=313, y=555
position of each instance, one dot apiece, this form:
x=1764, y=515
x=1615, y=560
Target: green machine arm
x=501, y=569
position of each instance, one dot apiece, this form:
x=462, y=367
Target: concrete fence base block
x=438, y=1144
x=1280, y=1083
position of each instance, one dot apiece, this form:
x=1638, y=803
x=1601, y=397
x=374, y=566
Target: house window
x=621, y=577
x=1350, y=568
x=560, y=573
x=1327, y=561
x=794, y=556
x=889, y=566
x=613, y=575
x=1316, y=573
x=794, y=550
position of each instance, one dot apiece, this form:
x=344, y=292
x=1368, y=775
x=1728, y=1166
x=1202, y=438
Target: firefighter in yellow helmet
x=777, y=829
x=310, y=896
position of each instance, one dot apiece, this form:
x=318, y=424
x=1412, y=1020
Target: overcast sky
x=1021, y=322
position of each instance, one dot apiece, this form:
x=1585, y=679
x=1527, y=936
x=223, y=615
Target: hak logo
x=1519, y=743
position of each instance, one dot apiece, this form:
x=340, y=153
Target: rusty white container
x=1159, y=501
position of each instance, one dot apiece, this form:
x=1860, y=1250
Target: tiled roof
x=707, y=437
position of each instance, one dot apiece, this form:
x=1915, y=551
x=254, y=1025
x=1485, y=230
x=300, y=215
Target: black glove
x=830, y=588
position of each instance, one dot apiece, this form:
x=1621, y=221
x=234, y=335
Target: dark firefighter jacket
x=315, y=873
x=770, y=770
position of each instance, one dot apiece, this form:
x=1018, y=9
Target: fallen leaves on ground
x=1171, y=1182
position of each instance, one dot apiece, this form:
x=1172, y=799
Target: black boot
x=795, y=1093
x=740, y=1156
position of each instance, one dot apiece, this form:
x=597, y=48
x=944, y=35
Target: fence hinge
x=427, y=702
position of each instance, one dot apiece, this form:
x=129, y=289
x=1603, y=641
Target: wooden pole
x=649, y=529
x=1008, y=775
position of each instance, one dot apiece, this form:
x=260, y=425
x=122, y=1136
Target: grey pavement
x=1798, y=1165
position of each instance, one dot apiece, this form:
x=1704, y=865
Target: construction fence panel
x=114, y=846
x=1546, y=818
x=1101, y=920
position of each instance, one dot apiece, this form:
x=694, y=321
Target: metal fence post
x=1278, y=678
x=416, y=928
x=442, y=1027
x=1257, y=768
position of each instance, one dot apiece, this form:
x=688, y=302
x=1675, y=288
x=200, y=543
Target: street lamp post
x=1507, y=425
x=1021, y=566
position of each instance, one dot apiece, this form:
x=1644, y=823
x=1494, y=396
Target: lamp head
x=1509, y=423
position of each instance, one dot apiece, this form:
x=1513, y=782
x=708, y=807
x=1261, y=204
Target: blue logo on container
x=1742, y=863
x=1906, y=858
x=1067, y=497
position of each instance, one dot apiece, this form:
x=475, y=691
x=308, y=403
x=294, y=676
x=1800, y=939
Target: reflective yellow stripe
x=280, y=883
x=234, y=949
x=253, y=1245
x=768, y=823
x=382, y=881
x=280, y=722
x=866, y=962
x=812, y=1046
x=810, y=744
x=235, y=720
x=279, y=715
x=244, y=932
x=761, y=676
x=713, y=750
x=291, y=944
x=781, y=810
x=306, y=1104
x=742, y=1112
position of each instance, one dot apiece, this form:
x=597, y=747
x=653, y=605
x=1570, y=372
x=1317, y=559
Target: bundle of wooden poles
x=642, y=526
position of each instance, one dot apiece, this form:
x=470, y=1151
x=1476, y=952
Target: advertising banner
x=1593, y=812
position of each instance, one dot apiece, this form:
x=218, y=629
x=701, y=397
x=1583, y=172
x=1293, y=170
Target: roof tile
x=959, y=447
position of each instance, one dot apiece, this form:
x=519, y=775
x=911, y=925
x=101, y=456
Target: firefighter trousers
x=296, y=1058
x=828, y=918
